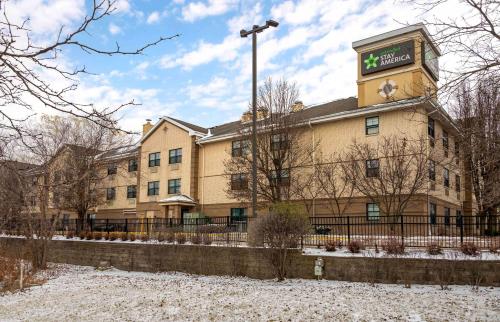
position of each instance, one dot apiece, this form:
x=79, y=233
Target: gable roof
x=193, y=130
x=314, y=111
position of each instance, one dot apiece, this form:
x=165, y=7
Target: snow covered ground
x=83, y=293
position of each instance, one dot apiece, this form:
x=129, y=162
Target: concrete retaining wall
x=254, y=262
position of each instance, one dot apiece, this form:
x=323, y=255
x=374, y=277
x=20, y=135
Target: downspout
x=314, y=160
x=202, y=178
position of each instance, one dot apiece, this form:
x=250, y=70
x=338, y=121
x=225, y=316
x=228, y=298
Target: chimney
x=297, y=106
x=146, y=127
x=262, y=113
x=246, y=117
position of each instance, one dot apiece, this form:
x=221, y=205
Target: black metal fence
x=412, y=230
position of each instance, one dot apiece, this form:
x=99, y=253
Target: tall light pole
x=243, y=33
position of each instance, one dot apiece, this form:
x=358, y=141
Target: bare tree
x=28, y=66
x=281, y=230
x=472, y=39
x=334, y=184
x=282, y=148
x=390, y=173
x=478, y=118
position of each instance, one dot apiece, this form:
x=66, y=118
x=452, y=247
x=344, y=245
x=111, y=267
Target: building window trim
x=372, y=211
x=457, y=183
x=432, y=170
x=112, y=169
x=279, y=142
x=174, y=186
x=132, y=165
x=282, y=180
x=372, y=168
x=432, y=213
x=131, y=192
x=431, y=127
x=154, y=159
x=110, y=194
x=372, y=125
x=239, y=181
x=446, y=177
x=239, y=148
x=175, y=156
x=153, y=188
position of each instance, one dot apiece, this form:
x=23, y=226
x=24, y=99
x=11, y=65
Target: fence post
x=227, y=220
x=126, y=225
x=348, y=230
x=91, y=225
x=402, y=231
x=107, y=225
x=461, y=230
x=147, y=226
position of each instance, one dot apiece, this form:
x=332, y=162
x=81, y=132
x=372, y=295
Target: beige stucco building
x=178, y=167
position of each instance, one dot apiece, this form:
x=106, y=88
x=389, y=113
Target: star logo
x=371, y=61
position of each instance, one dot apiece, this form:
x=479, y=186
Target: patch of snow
x=82, y=293
x=410, y=253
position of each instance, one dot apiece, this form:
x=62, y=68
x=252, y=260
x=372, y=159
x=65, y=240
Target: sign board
x=430, y=60
x=396, y=55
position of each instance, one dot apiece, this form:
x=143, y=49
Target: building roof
x=337, y=106
x=398, y=32
x=191, y=126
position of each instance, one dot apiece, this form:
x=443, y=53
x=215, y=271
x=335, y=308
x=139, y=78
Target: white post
x=21, y=277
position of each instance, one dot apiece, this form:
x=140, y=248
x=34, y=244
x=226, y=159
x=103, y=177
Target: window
x=372, y=211
x=110, y=193
x=432, y=213
x=446, y=216
x=432, y=170
x=239, y=181
x=446, y=178
x=154, y=159
x=371, y=125
x=457, y=183
x=153, y=188
x=280, y=178
x=445, y=140
x=112, y=169
x=372, y=167
x=430, y=127
x=238, y=214
x=174, y=186
x=175, y=156
x=279, y=142
x=131, y=192
x=239, y=148
x=459, y=218
x=457, y=152
x=132, y=165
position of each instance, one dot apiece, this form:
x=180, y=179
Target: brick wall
x=253, y=262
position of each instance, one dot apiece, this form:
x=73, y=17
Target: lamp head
x=243, y=33
x=272, y=23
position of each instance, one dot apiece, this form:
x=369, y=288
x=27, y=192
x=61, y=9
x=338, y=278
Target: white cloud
x=205, y=53
x=301, y=12
x=199, y=10
x=114, y=29
x=153, y=17
x=122, y=6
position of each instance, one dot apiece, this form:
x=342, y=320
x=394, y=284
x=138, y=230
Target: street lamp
x=243, y=33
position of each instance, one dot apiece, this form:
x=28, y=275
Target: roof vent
x=297, y=106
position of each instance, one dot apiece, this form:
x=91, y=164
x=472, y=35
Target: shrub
x=180, y=238
x=494, y=249
x=170, y=237
x=196, y=239
x=144, y=237
x=124, y=236
x=434, y=249
x=70, y=234
x=281, y=230
x=393, y=246
x=97, y=236
x=113, y=236
x=355, y=246
x=207, y=240
x=330, y=246
x=338, y=243
x=89, y=235
x=161, y=237
x=132, y=237
x=82, y=235
x=106, y=236
x=469, y=249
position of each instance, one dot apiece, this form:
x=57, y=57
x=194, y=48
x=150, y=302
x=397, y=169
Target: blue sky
x=204, y=76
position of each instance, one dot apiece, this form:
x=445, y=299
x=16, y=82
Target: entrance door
x=184, y=210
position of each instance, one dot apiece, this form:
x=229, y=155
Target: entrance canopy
x=182, y=200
